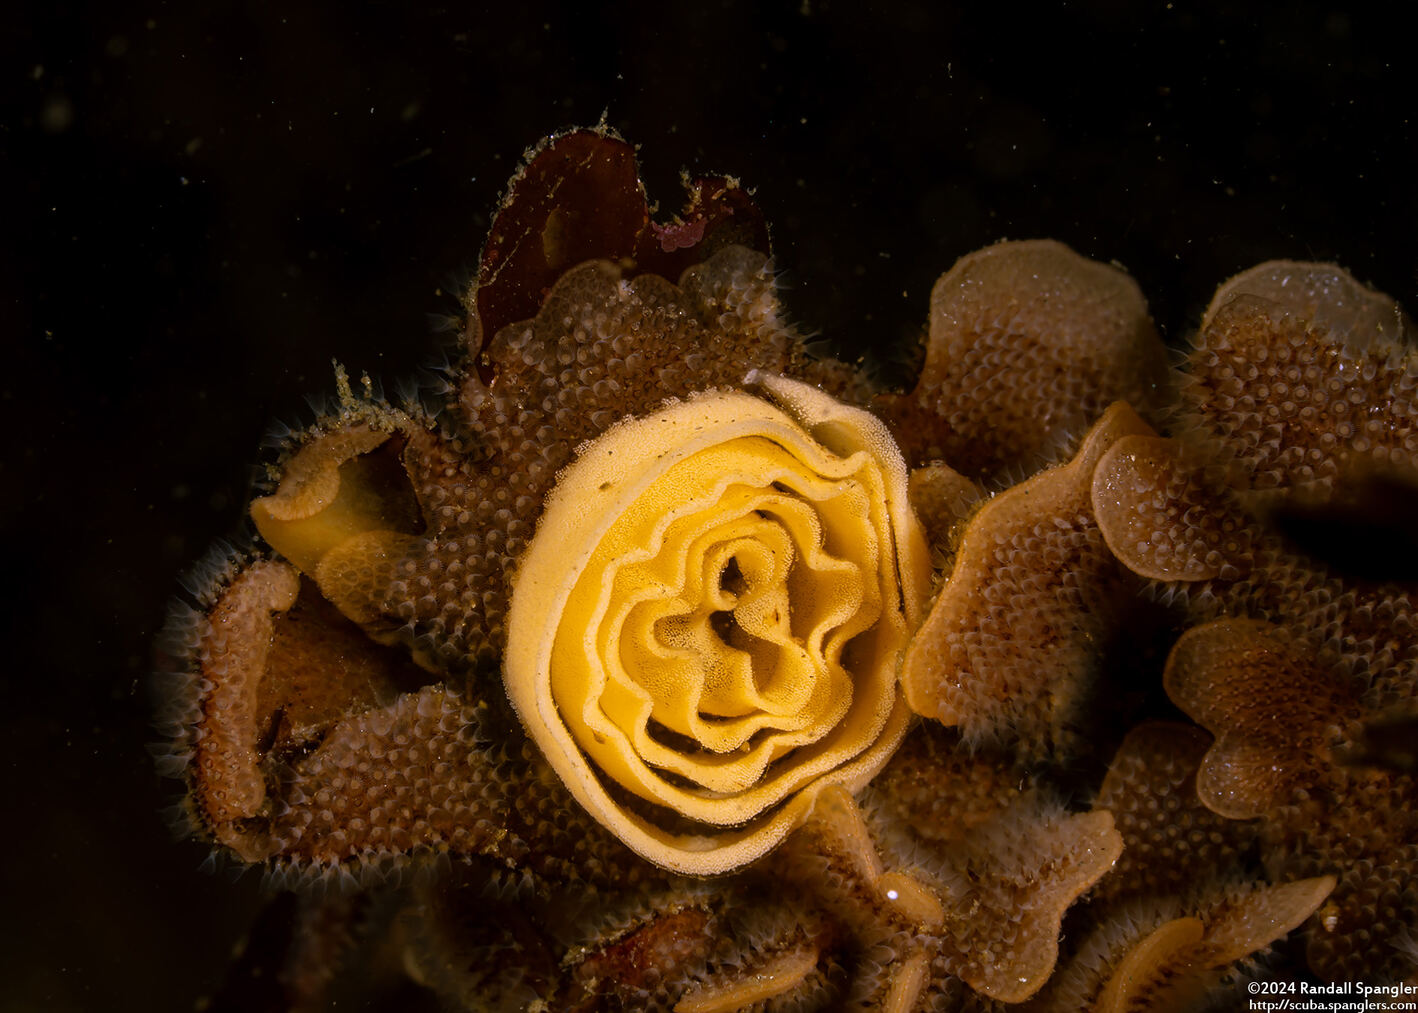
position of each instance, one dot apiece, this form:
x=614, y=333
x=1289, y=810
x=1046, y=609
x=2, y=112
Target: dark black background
x=201, y=205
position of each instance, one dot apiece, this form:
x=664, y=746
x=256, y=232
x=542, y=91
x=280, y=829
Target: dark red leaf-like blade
x=580, y=198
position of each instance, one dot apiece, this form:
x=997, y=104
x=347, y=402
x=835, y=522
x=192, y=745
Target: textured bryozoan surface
x=1029, y=342
x=337, y=711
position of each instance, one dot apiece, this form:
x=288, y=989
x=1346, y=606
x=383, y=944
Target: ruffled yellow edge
x=609, y=475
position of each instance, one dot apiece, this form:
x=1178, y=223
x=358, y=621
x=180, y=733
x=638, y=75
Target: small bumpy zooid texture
x=608, y=652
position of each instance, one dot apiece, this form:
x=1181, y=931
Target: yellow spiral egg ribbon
x=711, y=617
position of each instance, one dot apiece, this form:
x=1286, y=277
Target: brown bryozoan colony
x=660, y=664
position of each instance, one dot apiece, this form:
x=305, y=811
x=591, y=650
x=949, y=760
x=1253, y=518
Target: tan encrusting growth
x=1029, y=343
x=1276, y=713
x=340, y=705
x=1010, y=646
x=1186, y=904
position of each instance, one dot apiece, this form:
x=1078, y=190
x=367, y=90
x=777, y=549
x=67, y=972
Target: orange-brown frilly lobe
x=1302, y=377
x=984, y=909
x=1181, y=963
x=1302, y=396
x=1280, y=715
x=999, y=854
x=281, y=669
x=1301, y=385
x=1011, y=643
x=1162, y=521
x=345, y=514
x=1013, y=882
x=837, y=832
x=318, y=750
x=1324, y=296
x=938, y=791
x=1169, y=516
x=835, y=860
x=1029, y=343
x=230, y=788
x=1172, y=843
x=1363, y=828
x=1276, y=713
x=1186, y=901
x=942, y=499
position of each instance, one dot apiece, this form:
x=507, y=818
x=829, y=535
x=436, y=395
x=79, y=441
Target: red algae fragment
x=579, y=198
